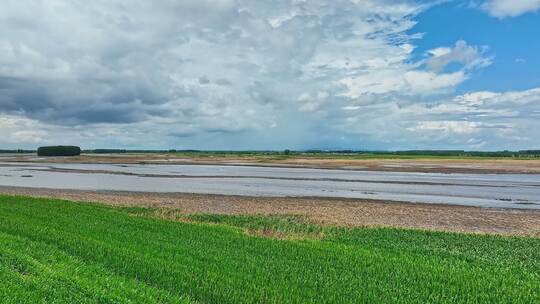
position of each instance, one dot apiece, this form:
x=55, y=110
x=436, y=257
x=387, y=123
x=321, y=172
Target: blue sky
x=279, y=74
x=513, y=41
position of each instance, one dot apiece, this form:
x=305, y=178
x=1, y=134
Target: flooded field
x=485, y=190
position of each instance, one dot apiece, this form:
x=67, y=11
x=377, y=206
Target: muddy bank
x=425, y=165
x=340, y=212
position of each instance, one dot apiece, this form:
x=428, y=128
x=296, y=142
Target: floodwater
x=484, y=190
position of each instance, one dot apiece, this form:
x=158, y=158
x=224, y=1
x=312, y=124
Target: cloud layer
x=242, y=74
x=510, y=8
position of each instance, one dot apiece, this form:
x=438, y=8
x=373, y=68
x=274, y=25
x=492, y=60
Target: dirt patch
x=324, y=211
x=282, y=235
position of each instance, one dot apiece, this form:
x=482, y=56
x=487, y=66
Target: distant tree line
x=106, y=151
x=463, y=153
x=16, y=151
x=455, y=153
x=59, y=151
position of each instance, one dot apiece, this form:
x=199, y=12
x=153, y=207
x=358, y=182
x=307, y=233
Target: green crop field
x=54, y=251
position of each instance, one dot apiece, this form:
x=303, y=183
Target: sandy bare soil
x=339, y=212
x=449, y=165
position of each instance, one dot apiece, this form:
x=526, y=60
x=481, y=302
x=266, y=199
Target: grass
x=54, y=251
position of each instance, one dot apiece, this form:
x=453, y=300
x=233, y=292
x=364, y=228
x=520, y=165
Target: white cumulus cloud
x=240, y=74
x=510, y=8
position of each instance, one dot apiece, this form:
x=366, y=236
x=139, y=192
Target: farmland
x=67, y=252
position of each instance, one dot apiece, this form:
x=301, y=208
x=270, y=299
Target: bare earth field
x=421, y=164
x=325, y=211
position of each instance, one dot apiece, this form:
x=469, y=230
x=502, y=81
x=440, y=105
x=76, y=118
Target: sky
x=280, y=74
